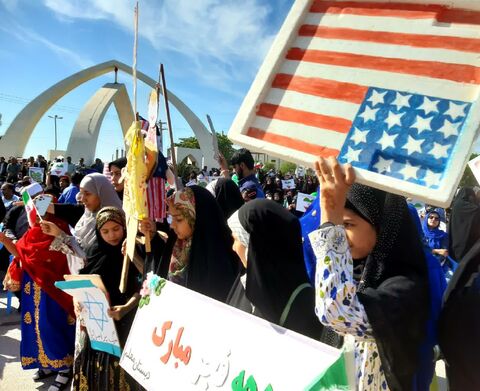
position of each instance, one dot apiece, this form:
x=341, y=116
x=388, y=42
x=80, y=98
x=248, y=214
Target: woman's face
x=180, y=224
x=116, y=174
x=240, y=249
x=361, y=235
x=112, y=233
x=91, y=201
x=433, y=220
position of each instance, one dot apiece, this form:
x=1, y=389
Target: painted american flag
x=387, y=86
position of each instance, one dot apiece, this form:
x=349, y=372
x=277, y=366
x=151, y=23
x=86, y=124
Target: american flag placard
x=390, y=87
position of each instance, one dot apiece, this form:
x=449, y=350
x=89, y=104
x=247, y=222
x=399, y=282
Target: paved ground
x=13, y=378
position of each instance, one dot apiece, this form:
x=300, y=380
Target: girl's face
x=433, y=220
x=240, y=249
x=91, y=201
x=112, y=233
x=361, y=235
x=180, y=224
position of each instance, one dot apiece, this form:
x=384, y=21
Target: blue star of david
x=95, y=311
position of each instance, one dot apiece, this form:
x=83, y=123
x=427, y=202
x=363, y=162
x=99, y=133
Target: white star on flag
x=368, y=114
x=429, y=106
x=449, y=128
x=352, y=154
x=359, y=136
x=393, y=119
x=402, y=100
x=422, y=124
x=387, y=140
x=455, y=110
x=377, y=97
x=413, y=145
x=383, y=165
x=439, y=151
x=409, y=171
x=432, y=178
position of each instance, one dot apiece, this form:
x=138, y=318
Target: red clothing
x=44, y=266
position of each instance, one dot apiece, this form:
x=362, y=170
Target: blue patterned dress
x=48, y=332
x=338, y=306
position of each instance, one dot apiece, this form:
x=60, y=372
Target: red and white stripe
x=156, y=197
x=345, y=47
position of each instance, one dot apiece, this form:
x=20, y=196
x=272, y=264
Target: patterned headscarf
x=184, y=202
x=110, y=213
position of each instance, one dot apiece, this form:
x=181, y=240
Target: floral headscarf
x=184, y=202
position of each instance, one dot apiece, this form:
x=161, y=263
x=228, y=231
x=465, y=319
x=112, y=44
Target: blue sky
x=211, y=50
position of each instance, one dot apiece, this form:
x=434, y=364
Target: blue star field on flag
x=405, y=136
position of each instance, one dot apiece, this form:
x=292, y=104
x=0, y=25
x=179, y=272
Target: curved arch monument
x=15, y=139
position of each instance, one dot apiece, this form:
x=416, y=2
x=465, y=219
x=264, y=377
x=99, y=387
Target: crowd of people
x=401, y=280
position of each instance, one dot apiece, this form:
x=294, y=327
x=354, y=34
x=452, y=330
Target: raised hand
x=335, y=180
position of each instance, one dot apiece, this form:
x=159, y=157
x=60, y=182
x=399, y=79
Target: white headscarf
x=238, y=230
x=99, y=185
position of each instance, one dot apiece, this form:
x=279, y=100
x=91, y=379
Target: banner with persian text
x=182, y=340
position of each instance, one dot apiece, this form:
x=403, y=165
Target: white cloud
x=224, y=39
x=26, y=35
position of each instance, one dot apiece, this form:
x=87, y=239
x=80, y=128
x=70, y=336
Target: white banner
x=100, y=327
x=36, y=173
x=182, y=340
x=288, y=184
x=303, y=201
x=474, y=165
x=58, y=169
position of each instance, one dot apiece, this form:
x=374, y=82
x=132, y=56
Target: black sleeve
x=10, y=221
x=3, y=211
x=69, y=213
x=302, y=318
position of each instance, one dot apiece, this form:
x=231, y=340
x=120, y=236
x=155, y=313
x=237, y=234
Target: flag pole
x=178, y=182
x=126, y=260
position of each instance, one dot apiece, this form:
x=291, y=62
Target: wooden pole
x=178, y=182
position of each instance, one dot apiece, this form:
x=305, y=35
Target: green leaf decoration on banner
x=159, y=287
x=334, y=378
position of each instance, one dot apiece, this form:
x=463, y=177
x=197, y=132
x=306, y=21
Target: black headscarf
x=107, y=261
x=212, y=264
x=394, y=285
x=464, y=224
x=228, y=196
x=459, y=325
x=275, y=266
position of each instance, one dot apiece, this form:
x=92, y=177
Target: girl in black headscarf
x=227, y=194
x=464, y=224
x=274, y=284
x=94, y=369
x=372, y=279
x=459, y=326
x=202, y=258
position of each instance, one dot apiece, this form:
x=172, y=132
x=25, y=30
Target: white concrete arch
x=84, y=137
x=15, y=139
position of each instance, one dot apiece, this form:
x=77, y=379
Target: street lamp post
x=55, y=117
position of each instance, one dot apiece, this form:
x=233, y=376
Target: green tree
x=225, y=146
x=268, y=166
x=184, y=169
x=468, y=179
x=287, y=167
x=188, y=142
